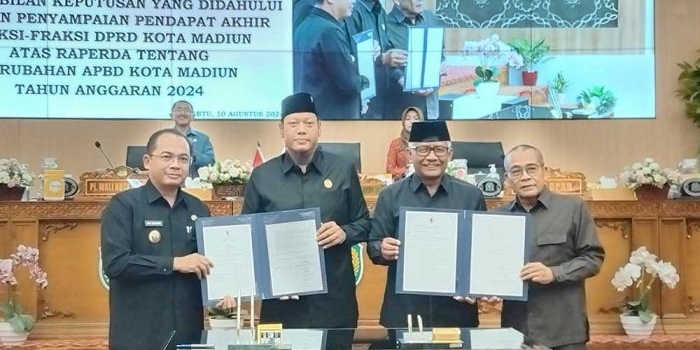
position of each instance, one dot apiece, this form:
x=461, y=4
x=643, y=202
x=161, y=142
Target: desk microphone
x=99, y=146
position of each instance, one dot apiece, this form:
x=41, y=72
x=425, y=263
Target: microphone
x=99, y=146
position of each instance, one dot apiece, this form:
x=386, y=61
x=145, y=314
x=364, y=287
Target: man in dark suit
x=370, y=15
x=323, y=62
x=430, y=150
x=406, y=14
x=305, y=176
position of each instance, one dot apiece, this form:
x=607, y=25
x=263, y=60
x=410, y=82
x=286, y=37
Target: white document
x=303, y=339
x=424, y=58
x=429, y=252
x=497, y=254
x=294, y=257
x=365, y=61
x=230, y=249
x=499, y=338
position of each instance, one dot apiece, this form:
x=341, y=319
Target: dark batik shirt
x=147, y=299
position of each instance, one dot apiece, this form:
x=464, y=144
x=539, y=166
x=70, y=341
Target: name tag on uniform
x=153, y=223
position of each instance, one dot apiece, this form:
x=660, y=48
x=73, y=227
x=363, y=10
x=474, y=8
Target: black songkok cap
x=429, y=132
x=297, y=103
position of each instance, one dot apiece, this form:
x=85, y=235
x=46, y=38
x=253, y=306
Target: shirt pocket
x=552, y=247
x=551, y=238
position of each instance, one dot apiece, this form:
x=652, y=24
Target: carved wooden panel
x=67, y=234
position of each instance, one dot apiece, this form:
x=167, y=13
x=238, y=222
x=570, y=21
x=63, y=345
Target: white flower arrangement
x=13, y=173
x=649, y=172
x=12, y=311
x=227, y=171
x=491, y=52
x=641, y=271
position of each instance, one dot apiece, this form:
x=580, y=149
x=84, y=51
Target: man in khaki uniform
x=566, y=252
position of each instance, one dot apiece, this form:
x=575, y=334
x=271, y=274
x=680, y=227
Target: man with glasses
x=430, y=150
x=182, y=114
x=149, y=253
x=566, y=251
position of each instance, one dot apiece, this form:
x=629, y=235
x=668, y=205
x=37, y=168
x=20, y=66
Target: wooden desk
x=75, y=302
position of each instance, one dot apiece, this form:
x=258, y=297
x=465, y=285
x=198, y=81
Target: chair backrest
x=348, y=150
x=479, y=155
x=134, y=156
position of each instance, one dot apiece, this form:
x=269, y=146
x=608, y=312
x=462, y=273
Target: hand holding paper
x=330, y=234
x=194, y=263
x=226, y=303
x=537, y=272
x=462, y=299
x=377, y=49
x=394, y=58
x=390, y=248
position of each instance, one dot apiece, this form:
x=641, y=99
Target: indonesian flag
x=258, y=157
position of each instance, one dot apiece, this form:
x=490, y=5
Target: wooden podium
x=75, y=304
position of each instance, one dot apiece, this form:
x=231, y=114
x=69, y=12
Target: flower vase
x=652, y=192
x=11, y=337
x=222, y=323
x=635, y=328
x=561, y=98
x=529, y=78
x=11, y=194
x=224, y=191
x=488, y=88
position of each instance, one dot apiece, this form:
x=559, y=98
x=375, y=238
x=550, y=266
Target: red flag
x=258, y=157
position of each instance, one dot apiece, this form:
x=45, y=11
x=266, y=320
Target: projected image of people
x=360, y=59
x=324, y=64
x=499, y=60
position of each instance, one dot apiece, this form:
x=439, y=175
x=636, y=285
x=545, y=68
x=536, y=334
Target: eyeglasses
x=182, y=159
x=438, y=150
x=518, y=172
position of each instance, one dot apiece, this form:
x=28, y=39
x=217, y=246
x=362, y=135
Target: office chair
x=134, y=156
x=479, y=155
x=348, y=150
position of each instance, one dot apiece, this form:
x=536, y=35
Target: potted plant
x=227, y=177
x=597, y=100
x=491, y=52
x=532, y=53
x=16, y=324
x=559, y=85
x=689, y=90
x=648, y=180
x=640, y=273
x=15, y=177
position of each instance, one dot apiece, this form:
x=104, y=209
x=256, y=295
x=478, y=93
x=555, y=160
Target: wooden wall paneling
x=75, y=292
x=605, y=303
x=372, y=284
x=23, y=231
x=691, y=270
x=672, y=248
x=645, y=232
x=67, y=234
x=5, y=237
